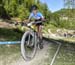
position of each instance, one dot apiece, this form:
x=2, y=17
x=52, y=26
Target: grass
x=66, y=55
x=12, y=49
x=10, y=34
x=9, y=54
x=12, y=52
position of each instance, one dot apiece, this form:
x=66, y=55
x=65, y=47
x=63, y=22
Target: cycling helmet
x=34, y=7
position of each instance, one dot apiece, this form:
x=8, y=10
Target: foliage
x=10, y=34
x=20, y=8
x=22, y=12
x=66, y=12
x=58, y=21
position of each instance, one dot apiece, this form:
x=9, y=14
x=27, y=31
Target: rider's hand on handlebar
x=29, y=24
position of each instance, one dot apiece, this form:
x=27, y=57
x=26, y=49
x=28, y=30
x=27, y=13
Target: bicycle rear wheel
x=28, y=45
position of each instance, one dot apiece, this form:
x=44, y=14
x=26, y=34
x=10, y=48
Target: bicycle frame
x=31, y=28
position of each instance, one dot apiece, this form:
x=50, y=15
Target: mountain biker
x=37, y=16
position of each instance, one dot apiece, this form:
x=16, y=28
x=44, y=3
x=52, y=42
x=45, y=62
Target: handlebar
x=24, y=23
x=30, y=23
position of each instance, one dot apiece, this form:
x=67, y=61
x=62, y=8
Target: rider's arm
x=31, y=15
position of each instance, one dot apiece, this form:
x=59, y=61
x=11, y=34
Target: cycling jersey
x=38, y=15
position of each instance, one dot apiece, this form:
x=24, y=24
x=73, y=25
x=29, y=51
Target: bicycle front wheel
x=28, y=45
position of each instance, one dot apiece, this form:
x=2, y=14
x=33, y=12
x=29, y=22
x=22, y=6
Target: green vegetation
x=66, y=55
x=21, y=8
x=8, y=53
x=9, y=34
x=64, y=18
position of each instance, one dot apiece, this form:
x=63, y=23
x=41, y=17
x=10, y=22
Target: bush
x=22, y=12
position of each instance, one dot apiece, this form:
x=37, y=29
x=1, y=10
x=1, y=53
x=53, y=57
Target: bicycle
x=30, y=42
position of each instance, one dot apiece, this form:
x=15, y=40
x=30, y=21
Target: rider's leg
x=39, y=30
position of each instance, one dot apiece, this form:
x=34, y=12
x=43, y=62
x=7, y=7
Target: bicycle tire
x=23, y=50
